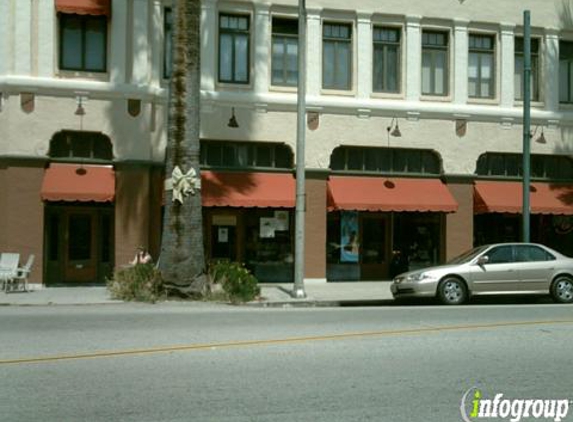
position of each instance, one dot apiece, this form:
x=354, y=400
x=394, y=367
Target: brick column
x=460, y=224
x=22, y=227
x=131, y=211
x=315, y=224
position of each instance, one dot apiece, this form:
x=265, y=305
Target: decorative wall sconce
x=541, y=138
x=80, y=111
x=233, y=120
x=394, y=129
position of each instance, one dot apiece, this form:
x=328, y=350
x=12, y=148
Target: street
x=202, y=362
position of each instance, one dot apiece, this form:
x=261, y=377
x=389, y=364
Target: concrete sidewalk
x=272, y=295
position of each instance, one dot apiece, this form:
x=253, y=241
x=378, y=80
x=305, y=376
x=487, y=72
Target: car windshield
x=468, y=256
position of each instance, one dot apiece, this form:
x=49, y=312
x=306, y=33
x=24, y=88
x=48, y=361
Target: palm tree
x=182, y=262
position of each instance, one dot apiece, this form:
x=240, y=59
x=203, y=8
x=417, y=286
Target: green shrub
x=237, y=282
x=140, y=283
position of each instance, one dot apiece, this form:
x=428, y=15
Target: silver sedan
x=503, y=268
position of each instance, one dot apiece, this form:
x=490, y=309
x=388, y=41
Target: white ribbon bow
x=183, y=184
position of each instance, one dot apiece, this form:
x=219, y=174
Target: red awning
x=507, y=197
x=72, y=182
x=389, y=194
x=265, y=190
x=85, y=7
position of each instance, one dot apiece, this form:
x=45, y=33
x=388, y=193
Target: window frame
x=248, y=151
x=481, y=52
x=235, y=33
x=338, y=41
x=284, y=36
x=385, y=45
x=569, y=62
x=386, y=160
x=167, y=43
x=83, y=22
x=552, y=167
x=535, y=68
x=434, y=50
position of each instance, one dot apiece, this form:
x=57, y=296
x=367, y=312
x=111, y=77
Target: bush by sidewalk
x=141, y=283
x=237, y=283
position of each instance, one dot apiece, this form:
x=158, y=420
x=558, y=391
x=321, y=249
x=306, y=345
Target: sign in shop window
x=349, y=236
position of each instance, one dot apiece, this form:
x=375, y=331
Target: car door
x=499, y=275
x=536, y=267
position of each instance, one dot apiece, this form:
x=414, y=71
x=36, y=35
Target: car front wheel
x=452, y=291
x=562, y=290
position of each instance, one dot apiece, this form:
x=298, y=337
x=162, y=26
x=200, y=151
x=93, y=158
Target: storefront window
x=417, y=238
x=269, y=244
x=385, y=160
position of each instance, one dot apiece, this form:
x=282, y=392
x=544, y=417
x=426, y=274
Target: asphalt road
x=174, y=362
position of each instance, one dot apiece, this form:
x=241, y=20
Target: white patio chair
x=22, y=274
x=8, y=268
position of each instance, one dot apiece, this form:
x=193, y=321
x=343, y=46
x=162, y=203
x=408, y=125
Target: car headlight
x=417, y=277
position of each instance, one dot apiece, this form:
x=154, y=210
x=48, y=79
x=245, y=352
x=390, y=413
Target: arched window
x=385, y=160
x=550, y=167
x=245, y=155
x=83, y=145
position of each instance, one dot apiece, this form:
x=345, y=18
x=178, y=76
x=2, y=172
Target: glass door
x=80, y=263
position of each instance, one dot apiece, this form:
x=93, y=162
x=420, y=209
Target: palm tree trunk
x=182, y=261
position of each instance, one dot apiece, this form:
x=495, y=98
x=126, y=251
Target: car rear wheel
x=452, y=291
x=562, y=290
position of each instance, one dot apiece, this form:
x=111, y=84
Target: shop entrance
x=79, y=243
x=223, y=233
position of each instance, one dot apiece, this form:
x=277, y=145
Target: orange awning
x=389, y=194
x=74, y=182
x=85, y=7
x=507, y=197
x=230, y=189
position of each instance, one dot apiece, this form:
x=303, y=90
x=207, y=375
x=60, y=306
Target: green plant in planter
x=140, y=283
x=236, y=281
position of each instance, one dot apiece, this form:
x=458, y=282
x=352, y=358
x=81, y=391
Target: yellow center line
x=288, y=340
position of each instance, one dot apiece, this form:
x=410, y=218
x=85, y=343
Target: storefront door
x=79, y=243
x=223, y=237
x=80, y=262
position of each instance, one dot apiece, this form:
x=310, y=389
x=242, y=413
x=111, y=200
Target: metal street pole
x=526, y=121
x=298, y=290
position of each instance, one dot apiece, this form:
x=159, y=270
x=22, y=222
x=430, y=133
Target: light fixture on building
x=541, y=138
x=80, y=111
x=233, y=120
x=394, y=129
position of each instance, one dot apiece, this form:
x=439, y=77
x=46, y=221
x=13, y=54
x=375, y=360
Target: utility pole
x=300, y=211
x=526, y=122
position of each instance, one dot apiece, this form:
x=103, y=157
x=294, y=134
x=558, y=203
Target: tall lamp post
x=526, y=121
x=298, y=290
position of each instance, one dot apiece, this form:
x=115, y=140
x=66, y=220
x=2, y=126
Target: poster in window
x=267, y=228
x=349, y=241
x=281, y=220
x=223, y=235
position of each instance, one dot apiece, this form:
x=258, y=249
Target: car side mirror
x=482, y=260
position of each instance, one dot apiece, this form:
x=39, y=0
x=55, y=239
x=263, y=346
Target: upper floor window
x=83, y=145
x=234, y=50
x=285, y=52
x=386, y=60
x=481, y=69
x=83, y=43
x=337, y=56
x=566, y=71
x=519, y=65
x=435, y=63
x=552, y=167
x=385, y=160
x=167, y=42
x=245, y=154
